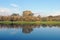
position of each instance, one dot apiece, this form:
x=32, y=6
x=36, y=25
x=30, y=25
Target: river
x=29, y=32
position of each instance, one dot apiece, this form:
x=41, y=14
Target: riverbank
x=23, y=22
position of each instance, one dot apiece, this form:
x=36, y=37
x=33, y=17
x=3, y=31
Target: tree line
x=28, y=16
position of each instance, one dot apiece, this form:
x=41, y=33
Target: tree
x=49, y=18
x=15, y=14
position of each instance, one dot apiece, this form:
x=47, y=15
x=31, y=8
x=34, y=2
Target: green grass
x=51, y=22
x=23, y=22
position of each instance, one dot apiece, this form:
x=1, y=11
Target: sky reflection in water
x=29, y=32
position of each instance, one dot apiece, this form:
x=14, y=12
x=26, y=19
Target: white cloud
x=53, y=13
x=8, y=11
x=5, y=11
x=14, y=5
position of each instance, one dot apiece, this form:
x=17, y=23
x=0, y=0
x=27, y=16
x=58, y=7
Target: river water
x=29, y=32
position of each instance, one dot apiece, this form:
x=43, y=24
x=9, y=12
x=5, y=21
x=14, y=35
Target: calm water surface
x=29, y=32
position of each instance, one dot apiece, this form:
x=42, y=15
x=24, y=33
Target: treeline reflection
x=27, y=28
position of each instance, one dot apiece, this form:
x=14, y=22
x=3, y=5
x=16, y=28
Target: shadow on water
x=27, y=28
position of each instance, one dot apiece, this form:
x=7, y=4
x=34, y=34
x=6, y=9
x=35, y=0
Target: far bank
x=25, y=22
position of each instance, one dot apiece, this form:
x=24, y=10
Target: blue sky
x=38, y=7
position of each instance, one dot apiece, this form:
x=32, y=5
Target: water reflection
x=27, y=28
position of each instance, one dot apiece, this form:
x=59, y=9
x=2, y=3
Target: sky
x=38, y=7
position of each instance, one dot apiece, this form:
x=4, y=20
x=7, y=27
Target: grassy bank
x=38, y=22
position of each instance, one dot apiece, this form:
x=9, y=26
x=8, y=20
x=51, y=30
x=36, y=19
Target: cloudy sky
x=38, y=7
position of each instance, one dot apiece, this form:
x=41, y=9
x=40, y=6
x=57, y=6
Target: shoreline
x=37, y=22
